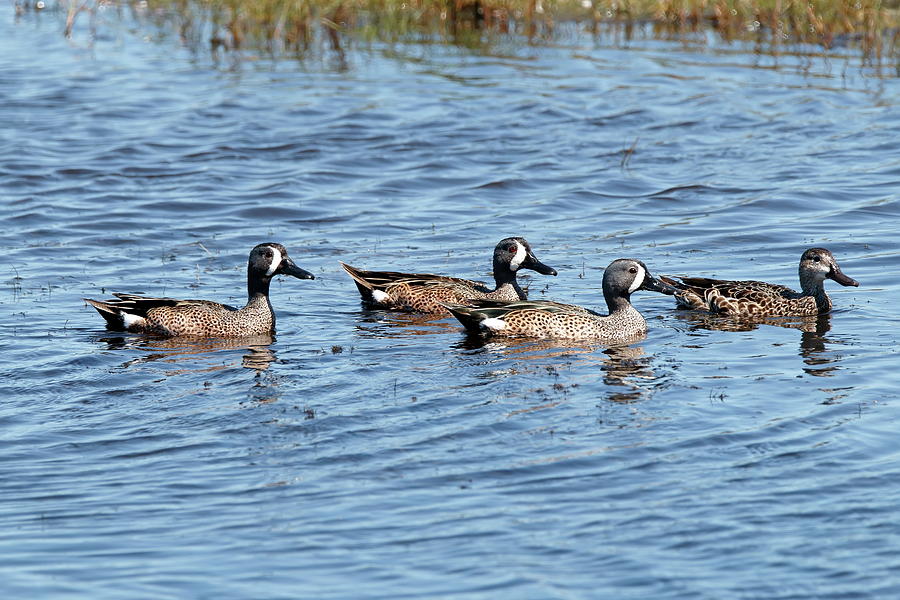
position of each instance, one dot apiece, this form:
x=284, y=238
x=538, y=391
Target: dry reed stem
x=292, y=24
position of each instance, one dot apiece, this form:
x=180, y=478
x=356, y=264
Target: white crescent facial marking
x=517, y=260
x=276, y=261
x=638, y=279
x=494, y=324
x=380, y=296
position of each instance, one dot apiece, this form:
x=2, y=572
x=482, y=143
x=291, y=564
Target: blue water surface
x=368, y=454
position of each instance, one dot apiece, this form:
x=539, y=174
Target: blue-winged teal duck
x=749, y=299
x=428, y=293
x=171, y=317
x=555, y=320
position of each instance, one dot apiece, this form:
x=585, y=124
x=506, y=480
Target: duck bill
x=289, y=268
x=652, y=284
x=842, y=279
x=534, y=264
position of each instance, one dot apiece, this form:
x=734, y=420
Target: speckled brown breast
x=747, y=299
x=209, y=319
x=755, y=302
x=575, y=324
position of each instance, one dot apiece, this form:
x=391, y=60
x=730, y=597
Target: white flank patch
x=516, y=261
x=276, y=261
x=380, y=296
x=638, y=279
x=130, y=320
x=494, y=324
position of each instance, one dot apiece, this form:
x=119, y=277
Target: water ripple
x=363, y=453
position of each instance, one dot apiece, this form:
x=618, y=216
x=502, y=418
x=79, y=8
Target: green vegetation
x=294, y=25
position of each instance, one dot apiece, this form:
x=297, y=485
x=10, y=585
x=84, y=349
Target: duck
x=170, y=317
x=753, y=299
x=549, y=319
x=427, y=293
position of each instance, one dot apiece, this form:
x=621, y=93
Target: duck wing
x=139, y=305
x=367, y=281
x=696, y=292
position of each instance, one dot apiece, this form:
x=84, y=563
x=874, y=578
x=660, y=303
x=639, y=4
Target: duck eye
x=632, y=270
x=513, y=249
x=268, y=254
x=816, y=258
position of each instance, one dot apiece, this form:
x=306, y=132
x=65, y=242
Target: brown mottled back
x=203, y=318
x=753, y=299
x=172, y=317
x=428, y=293
x=546, y=319
x=430, y=296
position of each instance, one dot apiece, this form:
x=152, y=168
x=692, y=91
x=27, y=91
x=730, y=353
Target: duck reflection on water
x=626, y=365
x=189, y=351
x=814, y=345
x=622, y=365
x=384, y=324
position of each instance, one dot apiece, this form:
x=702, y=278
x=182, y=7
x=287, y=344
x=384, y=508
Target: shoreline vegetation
x=872, y=26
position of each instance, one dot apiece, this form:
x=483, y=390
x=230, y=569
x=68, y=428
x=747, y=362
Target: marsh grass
x=301, y=25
